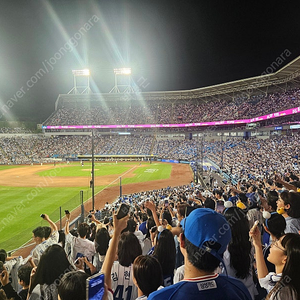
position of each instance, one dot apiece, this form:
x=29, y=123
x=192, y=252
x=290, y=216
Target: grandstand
x=243, y=129
x=161, y=125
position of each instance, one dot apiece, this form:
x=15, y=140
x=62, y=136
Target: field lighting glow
x=84, y=72
x=122, y=71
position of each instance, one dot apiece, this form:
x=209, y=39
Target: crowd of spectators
x=255, y=158
x=240, y=158
x=187, y=241
x=14, y=130
x=173, y=113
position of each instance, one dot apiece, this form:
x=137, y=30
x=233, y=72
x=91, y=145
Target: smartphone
x=42, y=216
x=123, y=211
x=78, y=255
x=220, y=207
x=166, y=203
x=95, y=287
x=255, y=225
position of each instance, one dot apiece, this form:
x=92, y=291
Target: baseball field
x=28, y=191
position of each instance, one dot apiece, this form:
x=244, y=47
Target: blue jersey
x=206, y=287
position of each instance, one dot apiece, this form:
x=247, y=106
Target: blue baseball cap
x=206, y=225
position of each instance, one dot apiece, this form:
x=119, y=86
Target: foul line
x=114, y=181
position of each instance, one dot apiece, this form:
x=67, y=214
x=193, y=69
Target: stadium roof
x=285, y=74
x=261, y=83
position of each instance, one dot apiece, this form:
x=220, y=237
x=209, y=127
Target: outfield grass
x=100, y=170
x=19, y=211
x=3, y=167
x=149, y=173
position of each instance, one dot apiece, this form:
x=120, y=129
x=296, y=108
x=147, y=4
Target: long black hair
x=102, y=240
x=290, y=274
x=239, y=247
x=165, y=251
x=129, y=248
x=52, y=266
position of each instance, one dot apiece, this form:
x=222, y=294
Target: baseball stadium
x=129, y=189
x=52, y=167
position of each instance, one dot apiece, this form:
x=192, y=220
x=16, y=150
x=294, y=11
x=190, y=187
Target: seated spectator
x=203, y=247
x=234, y=197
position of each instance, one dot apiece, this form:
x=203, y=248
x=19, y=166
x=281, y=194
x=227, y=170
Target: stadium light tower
x=122, y=81
x=93, y=172
x=81, y=82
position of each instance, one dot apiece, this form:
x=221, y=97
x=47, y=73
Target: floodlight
x=81, y=82
x=122, y=71
x=84, y=72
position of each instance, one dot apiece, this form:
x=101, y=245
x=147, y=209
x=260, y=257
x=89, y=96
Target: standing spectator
x=73, y=286
x=147, y=275
x=285, y=255
x=53, y=264
x=80, y=246
x=205, y=237
x=42, y=243
x=12, y=265
x=238, y=257
x=121, y=274
x=102, y=239
x=165, y=253
x=274, y=226
x=289, y=205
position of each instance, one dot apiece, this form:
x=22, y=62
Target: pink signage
x=287, y=112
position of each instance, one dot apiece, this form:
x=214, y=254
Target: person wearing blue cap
x=203, y=241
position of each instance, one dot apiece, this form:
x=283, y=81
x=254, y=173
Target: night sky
x=173, y=45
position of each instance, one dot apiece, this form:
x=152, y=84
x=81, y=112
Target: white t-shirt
x=98, y=261
x=82, y=246
x=147, y=246
x=269, y=281
x=12, y=267
x=179, y=274
x=248, y=281
x=39, y=249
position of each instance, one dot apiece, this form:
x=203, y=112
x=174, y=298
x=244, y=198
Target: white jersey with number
x=122, y=282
